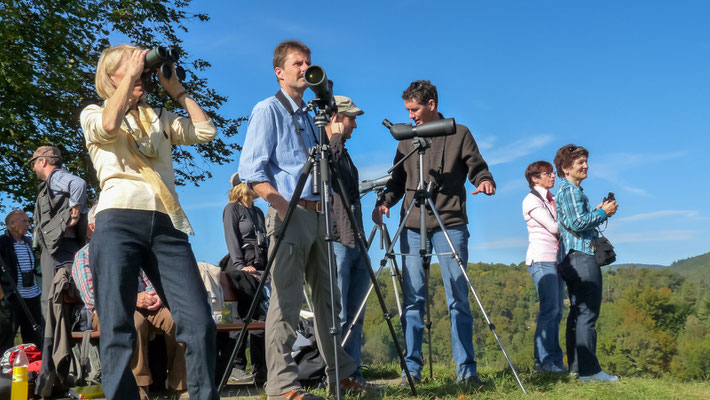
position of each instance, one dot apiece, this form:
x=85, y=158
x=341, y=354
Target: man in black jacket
x=18, y=258
x=447, y=164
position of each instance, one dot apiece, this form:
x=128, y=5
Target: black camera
x=162, y=58
x=28, y=278
x=609, y=197
x=439, y=127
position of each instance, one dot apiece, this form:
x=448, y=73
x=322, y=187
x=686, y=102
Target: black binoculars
x=160, y=57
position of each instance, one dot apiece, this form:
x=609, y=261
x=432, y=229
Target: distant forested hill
x=694, y=268
x=614, y=267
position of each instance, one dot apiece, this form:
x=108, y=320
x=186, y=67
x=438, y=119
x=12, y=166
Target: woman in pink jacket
x=543, y=232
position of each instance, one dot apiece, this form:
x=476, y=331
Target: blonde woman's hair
x=242, y=195
x=109, y=62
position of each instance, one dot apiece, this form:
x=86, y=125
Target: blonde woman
x=139, y=222
x=245, y=234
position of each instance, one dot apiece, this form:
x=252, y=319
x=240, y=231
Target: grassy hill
x=695, y=268
x=614, y=267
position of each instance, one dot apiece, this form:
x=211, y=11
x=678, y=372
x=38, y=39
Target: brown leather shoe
x=300, y=394
x=352, y=385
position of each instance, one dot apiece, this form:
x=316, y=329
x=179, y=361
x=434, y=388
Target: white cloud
x=613, y=167
x=659, y=214
x=502, y=243
x=656, y=236
x=518, y=149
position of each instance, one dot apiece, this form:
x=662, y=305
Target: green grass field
x=502, y=385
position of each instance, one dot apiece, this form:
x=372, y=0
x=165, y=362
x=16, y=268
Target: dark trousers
x=125, y=240
x=22, y=321
x=584, y=285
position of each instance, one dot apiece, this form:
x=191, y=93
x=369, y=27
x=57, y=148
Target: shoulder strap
x=536, y=194
x=281, y=97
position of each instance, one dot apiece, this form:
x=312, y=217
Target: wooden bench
x=230, y=295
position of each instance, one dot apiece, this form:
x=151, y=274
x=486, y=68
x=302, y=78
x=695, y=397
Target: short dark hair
x=535, y=169
x=281, y=51
x=422, y=92
x=566, y=156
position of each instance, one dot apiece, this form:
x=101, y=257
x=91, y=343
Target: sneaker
x=300, y=394
x=405, y=383
x=550, y=368
x=473, y=380
x=240, y=377
x=600, y=376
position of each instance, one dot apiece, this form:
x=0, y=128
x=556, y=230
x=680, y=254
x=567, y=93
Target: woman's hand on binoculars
x=172, y=85
x=610, y=207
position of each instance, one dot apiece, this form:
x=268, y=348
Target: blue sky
x=629, y=80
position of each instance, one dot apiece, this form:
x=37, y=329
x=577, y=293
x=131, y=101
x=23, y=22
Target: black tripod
x=394, y=274
x=422, y=197
x=319, y=159
x=35, y=326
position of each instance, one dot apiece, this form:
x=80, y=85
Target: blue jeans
x=584, y=285
x=456, y=290
x=551, y=292
x=353, y=281
x=124, y=241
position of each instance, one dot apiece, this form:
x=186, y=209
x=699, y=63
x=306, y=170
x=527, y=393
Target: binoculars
x=162, y=58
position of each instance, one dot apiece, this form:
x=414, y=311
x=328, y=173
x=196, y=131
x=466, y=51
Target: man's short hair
x=91, y=216
x=281, y=51
x=11, y=216
x=422, y=92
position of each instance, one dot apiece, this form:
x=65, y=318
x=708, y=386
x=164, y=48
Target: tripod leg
x=373, y=278
x=461, y=265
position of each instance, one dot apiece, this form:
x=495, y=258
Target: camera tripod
x=422, y=198
x=394, y=274
x=319, y=162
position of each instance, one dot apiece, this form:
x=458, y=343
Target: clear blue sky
x=629, y=80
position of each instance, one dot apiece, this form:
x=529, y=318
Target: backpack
x=311, y=366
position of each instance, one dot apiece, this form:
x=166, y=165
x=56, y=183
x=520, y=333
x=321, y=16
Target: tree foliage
x=48, y=55
x=652, y=322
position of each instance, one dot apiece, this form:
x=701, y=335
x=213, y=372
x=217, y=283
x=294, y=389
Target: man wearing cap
x=59, y=216
x=353, y=277
x=447, y=164
x=279, y=135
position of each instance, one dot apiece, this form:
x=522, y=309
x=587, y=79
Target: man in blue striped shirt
x=60, y=214
x=279, y=134
x=18, y=258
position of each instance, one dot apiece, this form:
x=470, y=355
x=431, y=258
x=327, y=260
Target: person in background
x=59, y=215
x=245, y=234
x=353, y=278
x=19, y=259
x=578, y=225
x=543, y=233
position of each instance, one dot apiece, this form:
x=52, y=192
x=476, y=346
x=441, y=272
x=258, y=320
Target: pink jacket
x=543, y=230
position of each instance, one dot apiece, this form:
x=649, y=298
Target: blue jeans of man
x=456, y=290
x=123, y=241
x=551, y=292
x=353, y=281
x=584, y=285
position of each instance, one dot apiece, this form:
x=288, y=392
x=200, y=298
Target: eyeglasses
x=547, y=173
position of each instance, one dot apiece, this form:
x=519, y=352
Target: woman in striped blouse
x=578, y=225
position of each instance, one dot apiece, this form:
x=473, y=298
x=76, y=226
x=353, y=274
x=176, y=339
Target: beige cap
x=346, y=106
x=46, y=151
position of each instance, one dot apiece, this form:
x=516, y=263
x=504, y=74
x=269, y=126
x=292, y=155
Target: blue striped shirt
x=575, y=213
x=26, y=261
x=61, y=181
x=272, y=150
